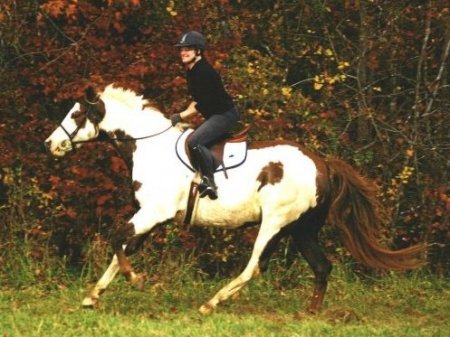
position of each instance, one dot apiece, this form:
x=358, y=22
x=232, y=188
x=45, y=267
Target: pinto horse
x=281, y=186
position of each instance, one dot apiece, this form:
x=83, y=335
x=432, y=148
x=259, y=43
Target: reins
x=118, y=139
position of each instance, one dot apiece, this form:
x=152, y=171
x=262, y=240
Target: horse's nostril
x=65, y=144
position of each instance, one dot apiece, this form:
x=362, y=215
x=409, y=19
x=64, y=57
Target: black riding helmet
x=192, y=39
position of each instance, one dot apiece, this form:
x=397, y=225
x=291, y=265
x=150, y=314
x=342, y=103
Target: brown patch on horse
x=79, y=117
x=270, y=174
x=125, y=143
x=136, y=185
x=96, y=112
x=322, y=180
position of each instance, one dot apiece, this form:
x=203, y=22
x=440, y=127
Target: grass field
x=413, y=305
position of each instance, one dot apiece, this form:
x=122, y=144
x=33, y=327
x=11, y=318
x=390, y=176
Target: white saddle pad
x=234, y=154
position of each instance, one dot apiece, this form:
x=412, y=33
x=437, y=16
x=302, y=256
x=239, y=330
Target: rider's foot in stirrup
x=207, y=187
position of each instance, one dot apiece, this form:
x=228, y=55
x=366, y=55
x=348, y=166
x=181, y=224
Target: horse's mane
x=125, y=97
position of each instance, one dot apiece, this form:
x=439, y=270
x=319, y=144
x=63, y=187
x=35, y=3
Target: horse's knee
x=271, y=246
x=122, y=234
x=135, y=243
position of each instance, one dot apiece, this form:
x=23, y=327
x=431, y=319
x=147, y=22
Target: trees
x=364, y=80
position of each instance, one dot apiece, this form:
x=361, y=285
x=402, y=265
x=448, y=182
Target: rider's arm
x=191, y=110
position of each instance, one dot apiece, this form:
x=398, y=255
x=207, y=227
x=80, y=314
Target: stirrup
x=207, y=188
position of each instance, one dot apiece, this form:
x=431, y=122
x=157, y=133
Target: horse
x=281, y=186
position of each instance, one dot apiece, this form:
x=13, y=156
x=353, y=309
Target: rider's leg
x=210, y=131
x=205, y=164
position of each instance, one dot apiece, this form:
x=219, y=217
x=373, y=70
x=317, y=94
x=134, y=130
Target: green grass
x=395, y=305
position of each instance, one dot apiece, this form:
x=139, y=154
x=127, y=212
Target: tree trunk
x=363, y=107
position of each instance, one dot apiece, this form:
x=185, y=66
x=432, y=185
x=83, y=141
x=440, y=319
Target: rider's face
x=188, y=55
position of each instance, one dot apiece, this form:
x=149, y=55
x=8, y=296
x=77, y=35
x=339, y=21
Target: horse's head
x=81, y=124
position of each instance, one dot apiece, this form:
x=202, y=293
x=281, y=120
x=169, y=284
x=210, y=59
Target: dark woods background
x=364, y=80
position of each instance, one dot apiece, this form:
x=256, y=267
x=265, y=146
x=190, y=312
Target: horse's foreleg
x=131, y=234
x=121, y=236
x=265, y=235
x=91, y=299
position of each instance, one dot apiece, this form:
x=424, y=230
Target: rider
x=210, y=99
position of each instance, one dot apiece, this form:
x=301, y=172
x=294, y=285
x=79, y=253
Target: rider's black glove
x=175, y=119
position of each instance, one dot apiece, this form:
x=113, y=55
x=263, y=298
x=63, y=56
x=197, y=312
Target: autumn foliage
x=363, y=80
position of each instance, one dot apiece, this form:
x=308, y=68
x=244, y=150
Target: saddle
x=228, y=153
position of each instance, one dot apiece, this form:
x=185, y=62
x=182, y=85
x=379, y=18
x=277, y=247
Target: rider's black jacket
x=206, y=88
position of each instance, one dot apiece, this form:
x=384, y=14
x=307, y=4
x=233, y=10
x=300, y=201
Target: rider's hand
x=175, y=119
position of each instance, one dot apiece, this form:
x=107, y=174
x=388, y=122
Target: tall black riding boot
x=204, y=162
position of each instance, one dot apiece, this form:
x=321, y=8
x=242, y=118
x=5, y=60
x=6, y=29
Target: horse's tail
x=357, y=212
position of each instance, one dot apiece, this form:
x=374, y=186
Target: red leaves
x=179, y=81
x=54, y=180
x=118, y=165
x=71, y=213
x=103, y=199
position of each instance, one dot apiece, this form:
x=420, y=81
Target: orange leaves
x=54, y=8
x=58, y=8
x=179, y=81
x=133, y=3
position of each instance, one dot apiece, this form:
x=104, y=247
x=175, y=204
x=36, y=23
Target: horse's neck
x=134, y=124
x=129, y=129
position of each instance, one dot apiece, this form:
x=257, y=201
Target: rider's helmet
x=192, y=39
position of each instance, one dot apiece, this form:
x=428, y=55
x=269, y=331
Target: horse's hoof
x=139, y=280
x=341, y=315
x=312, y=310
x=89, y=302
x=206, y=309
x=301, y=315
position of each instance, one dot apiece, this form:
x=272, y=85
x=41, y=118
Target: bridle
x=90, y=112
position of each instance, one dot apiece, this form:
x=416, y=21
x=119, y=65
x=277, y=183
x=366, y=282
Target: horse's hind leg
x=266, y=233
x=306, y=241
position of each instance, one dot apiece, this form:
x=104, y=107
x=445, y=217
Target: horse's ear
x=90, y=95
